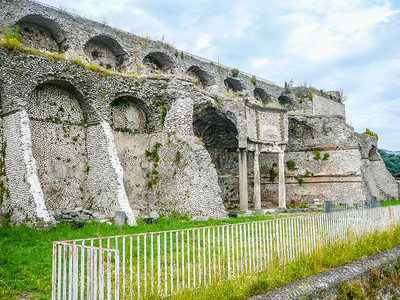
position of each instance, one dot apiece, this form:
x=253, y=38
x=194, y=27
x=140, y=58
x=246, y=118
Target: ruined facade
x=98, y=118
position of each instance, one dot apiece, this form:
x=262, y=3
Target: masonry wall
x=114, y=121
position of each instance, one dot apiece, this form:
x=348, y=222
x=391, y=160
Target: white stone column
x=282, y=187
x=257, y=188
x=243, y=189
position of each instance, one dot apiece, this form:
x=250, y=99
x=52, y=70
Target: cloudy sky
x=352, y=45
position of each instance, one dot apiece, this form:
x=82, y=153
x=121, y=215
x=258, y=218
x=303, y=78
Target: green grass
x=392, y=201
x=26, y=253
x=279, y=275
x=25, y=258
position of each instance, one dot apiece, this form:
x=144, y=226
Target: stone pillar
x=243, y=189
x=26, y=200
x=108, y=188
x=282, y=187
x=257, y=188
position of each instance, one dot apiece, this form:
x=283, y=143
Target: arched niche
x=373, y=154
x=41, y=33
x=128, y=116
x=105, y=51
x=218, y=131
x=159, y=60
x=262, y=95
x=233, y=84
x=203, y=77
x=58, y=132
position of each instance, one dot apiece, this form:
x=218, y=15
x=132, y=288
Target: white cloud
x=242, y=20
x=203, y=41
x=259, y=63
x=333, y=30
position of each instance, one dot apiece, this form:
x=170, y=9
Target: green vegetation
x=278, y=275
x=125, y=129
x=25, y=253
x=26, y=262
x=326, y=156
x=272, y=172
x=390, y=202
x=291, y=165
x=11, y=43
x=310, y=95
x=392, y=161
x=299, y=180
x=219, y=102
x=235, y=72
x=254, y=80
x=379, y=284
x=371, y=133
x=153, y=156
x=288, y=87
x=11, y=39
x=317, y=155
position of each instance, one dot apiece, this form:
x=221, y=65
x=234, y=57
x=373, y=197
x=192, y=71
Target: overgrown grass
x=25, y=258
x=26, y=253
x=392, y=201
x=279, y=275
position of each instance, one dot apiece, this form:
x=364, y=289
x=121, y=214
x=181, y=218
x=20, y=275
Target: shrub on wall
x=371, y=133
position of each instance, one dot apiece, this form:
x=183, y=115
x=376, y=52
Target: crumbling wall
x=116, y=121
x=59, y=146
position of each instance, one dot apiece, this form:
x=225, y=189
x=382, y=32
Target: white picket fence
x=164, y=263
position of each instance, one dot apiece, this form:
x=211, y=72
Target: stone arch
x=130, y=122
x=218, y=131
x=129, y=114
x=159, y=60
x=59, y=133
x=106, y=52
x=204, y=77
x=233, y=84
x=41, y=33
x=215, y=128
x=262, y=95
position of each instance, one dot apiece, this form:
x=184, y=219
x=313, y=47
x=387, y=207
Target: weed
x=254, y=80
x=326, y=156
x=273, y=174
x=153, y=177
x=299, y=180
x=231, y=94
x=288, y=87
x=11, y=39
x=291, y=165
x=235, y=72
x=371, y=133
x=310, y=95
x=219, y=102
x=317, y=155
x=163, y=115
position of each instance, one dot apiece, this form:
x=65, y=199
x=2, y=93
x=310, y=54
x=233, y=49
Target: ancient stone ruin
x=104, y=120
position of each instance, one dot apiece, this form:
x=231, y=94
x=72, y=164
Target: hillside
x=392, y=161
x=391, y=152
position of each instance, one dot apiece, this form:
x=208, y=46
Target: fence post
x=327, y=206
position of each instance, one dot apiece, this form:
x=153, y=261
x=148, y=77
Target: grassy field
x=392, y=201
x=277, y=275
x=25, y=253
x=25, y=257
